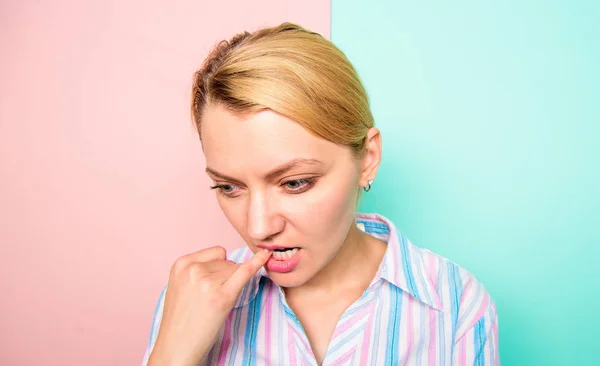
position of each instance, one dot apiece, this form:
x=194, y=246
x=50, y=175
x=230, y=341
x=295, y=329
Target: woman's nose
x=264, y=221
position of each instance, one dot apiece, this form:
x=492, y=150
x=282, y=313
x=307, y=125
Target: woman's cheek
x=236, y=213
x=322, y=209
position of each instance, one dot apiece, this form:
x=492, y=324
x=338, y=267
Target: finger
x=207, y=255
x=220, y=266
x=245, y=271
x=221, y=277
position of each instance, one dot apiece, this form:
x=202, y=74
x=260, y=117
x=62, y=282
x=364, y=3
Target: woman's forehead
x=263, y=135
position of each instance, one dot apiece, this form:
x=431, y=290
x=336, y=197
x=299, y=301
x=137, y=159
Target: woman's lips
x=284, y=262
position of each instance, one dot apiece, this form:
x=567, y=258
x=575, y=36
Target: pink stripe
x=296, y=334
x=345, y=357
x=291, y=348
x=480, y=312
x=370, y=219
x=226, y=341
x=306, y=347
x=267, y=316
x=462, y=356
x=367, y=338
x=432, y=338
x=409, y=331
x=350, y=322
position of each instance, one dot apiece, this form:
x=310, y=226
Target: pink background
x=102, y=184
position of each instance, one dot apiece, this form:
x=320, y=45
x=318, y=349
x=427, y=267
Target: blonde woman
x=290, y=143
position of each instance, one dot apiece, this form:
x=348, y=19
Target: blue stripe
x=470, y=309
x=478, y=342
x=307, y=361
x=345, y=340
x=292, y=316
x=422, y=280
x=407, y=267
x=377, y=231
x=455, y=294
x=374, y=225
x=492, y=320
x=361, y=303
x=254, y=309
x=393, y=336
x=154, y=318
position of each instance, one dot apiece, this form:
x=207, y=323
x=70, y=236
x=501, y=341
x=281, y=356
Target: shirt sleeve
x=476, y=341
x=155, y=326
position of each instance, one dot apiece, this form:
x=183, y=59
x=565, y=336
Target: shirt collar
x=403, y=264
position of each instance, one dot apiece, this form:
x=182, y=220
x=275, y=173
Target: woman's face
x=281, y=188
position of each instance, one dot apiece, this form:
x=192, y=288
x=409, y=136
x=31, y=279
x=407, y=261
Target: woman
x=289, y=142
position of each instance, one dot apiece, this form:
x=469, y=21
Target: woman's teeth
x=286, y=254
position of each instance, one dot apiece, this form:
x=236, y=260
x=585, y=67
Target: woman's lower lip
x=285, y=265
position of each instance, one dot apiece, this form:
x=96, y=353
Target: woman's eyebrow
x=218, y=175
x=271, y=175
x=284, y=168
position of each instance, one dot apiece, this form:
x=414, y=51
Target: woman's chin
x=290, y=279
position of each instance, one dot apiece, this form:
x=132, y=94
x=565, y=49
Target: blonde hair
x=291, y=71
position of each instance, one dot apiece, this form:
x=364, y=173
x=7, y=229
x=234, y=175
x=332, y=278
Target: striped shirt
x=420, y=309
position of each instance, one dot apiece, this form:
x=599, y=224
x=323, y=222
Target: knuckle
x=219, y=250
x=194, y=271
x=179, y=265
x=188, y=272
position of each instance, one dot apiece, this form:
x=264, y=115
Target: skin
x=287, y=208
x=277, y=184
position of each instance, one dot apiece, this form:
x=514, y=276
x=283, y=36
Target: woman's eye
x=298, y=185
x=294, y=184
x=226, y=189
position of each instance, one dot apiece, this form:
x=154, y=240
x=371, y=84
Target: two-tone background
x=490, y=114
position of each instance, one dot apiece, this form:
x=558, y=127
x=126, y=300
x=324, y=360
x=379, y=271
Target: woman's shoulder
x=433, y=278
x=461, y=292
x=442, y=270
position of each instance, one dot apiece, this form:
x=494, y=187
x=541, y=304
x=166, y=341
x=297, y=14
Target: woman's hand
x=202, y=290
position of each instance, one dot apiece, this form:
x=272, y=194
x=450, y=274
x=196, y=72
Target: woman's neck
x=354, y=266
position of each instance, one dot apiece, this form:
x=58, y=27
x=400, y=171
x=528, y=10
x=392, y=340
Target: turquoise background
x=491, y=127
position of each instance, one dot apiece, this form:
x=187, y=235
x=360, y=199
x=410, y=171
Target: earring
x=368, y=188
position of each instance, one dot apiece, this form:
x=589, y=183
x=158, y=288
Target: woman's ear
x=372, y=158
